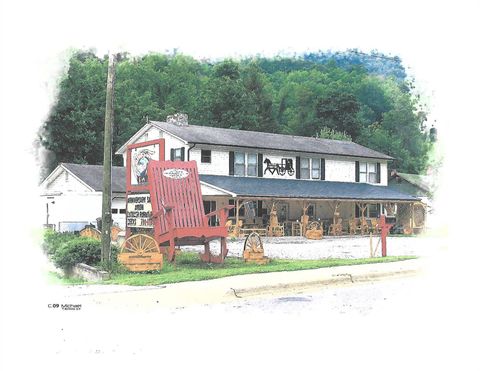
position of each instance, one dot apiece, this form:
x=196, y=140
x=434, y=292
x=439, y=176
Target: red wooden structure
x=177, y=209
x=385, y=229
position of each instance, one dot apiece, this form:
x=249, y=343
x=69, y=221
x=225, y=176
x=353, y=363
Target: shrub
x=78, y=250
x=53, y=240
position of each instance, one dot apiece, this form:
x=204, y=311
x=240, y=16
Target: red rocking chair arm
x=222, y=213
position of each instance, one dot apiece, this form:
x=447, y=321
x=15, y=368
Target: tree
x=339, y=111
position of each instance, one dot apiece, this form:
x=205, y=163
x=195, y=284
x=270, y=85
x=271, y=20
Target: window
x=122, y=211
x=311, y=211
x=245, y=164
x=208, y=207
x=363, y=172
x=315, y=168
x=304, y=168
x=239, y=164
x=177, y=154
x=233, y=212
x=368, y=172
x=114, y=211
x=373, y=211
x=372, y=173
x=206, y=156
x=252, y=164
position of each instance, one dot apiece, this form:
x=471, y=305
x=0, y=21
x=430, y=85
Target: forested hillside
x=349, y=95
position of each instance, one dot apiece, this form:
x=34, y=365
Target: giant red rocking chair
x=177, y=210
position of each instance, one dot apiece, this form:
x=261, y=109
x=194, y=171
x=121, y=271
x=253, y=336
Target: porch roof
x=308, y=189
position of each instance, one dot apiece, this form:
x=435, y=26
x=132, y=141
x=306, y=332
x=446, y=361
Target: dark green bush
x=78, y=250
x=53, y=240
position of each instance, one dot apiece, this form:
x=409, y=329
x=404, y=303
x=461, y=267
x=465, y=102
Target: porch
x=277, y=207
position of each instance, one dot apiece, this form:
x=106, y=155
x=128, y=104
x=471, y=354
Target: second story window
x=206, y=156
x=177, y=154
x=245, y=164
x=315, y=168
x=252, y=164
x=304, y=168
x=239, y=164
x=368, y=172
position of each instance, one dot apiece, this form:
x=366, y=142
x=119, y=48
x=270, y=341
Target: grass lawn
x=188, y=267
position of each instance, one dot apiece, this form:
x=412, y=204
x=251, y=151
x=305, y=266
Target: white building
x=240, y=167
x=72, y=195
x=237, y=166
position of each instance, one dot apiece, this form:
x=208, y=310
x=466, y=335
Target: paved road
x=364, y=299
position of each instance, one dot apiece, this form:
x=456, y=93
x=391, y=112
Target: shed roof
x=261, y=140
x=293, y=188
x=424, y=182
x=92, y=175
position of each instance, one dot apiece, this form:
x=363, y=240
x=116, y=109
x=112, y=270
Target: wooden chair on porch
x=352, y=226
x=177, y=210
x=275, y=229
x=336, y=228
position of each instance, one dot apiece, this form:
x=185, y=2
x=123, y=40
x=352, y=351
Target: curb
x=337, y=279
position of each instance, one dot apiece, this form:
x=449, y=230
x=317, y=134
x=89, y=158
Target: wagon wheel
x=291, y=171
x=140, y=244
x=281, y=170
x=253, y=242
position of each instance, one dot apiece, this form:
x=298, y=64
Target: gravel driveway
x=332, y=247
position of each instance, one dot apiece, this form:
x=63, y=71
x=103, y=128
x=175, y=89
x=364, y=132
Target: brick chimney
x=179, y=119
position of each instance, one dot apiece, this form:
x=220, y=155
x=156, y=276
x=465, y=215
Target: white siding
x=340, y=170
x=66, y=182
x=74, y=208
x=218, y=166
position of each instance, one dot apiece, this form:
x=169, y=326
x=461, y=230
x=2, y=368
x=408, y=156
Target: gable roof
x=261, y=140
x=294, y=188
x=92, y=175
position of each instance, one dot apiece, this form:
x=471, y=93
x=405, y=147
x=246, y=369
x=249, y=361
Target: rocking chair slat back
x=177, y=185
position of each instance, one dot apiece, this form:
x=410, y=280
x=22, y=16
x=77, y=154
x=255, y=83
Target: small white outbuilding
x=72, y=195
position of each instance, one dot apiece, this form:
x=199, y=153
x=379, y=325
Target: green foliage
x=328, y=133
x=78, y=250
x=363, y=96
x=188, y=267
x=53, y=240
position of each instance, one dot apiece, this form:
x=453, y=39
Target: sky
x=436, y=41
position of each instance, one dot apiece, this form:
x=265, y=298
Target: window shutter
x=260, y=166
x=297, y=167
x=172, y=154
x=322, y=169
x=357, y=171
x=230, y=163
x=379, y=168
x=357, y=211
x=259, y=208
x=182, y=154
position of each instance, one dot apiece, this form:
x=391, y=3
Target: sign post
x=385, y=227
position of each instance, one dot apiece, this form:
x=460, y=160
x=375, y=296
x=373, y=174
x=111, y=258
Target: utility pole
x=107, y=164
